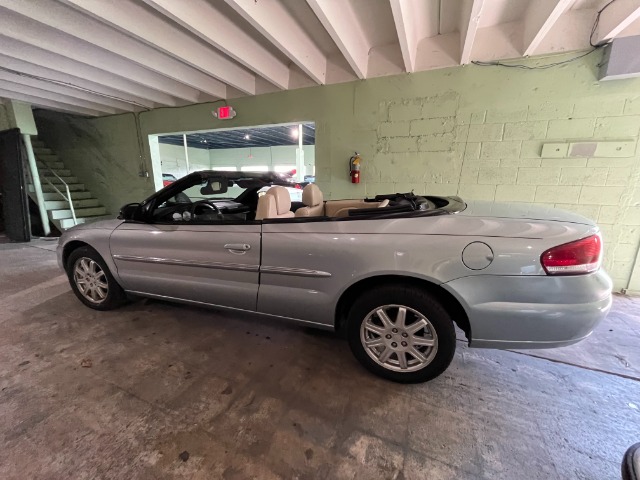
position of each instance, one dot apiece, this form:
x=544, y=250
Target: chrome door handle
x=242, y=247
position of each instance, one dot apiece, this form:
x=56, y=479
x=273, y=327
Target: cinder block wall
x=436, y=145
x=477, y=132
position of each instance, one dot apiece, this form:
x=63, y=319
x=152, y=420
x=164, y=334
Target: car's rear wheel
x=92, y=281
x=401, y=333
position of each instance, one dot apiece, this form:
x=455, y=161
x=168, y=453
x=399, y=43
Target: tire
x=630, y=468
x=428, y=331
x=96, y=274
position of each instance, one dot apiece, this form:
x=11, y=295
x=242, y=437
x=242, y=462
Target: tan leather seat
x=313, y=200
x=355, y=204
x=275, y=203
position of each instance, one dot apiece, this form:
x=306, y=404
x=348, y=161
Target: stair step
x=74, y=187
x=60, y=204
x=68, y=222
x=80, y=213
x=86, y=208
x=63, y=172
x=42, y=151
x=56, y=180
x=52, y=157
x=54, y=165
x=48, y=196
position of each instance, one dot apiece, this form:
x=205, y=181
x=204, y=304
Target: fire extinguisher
x=354, y=168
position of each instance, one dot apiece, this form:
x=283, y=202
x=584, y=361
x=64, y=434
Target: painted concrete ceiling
x=94, y=57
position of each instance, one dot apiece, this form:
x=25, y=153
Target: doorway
x=288, y=149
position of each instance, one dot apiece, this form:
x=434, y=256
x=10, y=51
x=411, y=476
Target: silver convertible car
x=394, y=273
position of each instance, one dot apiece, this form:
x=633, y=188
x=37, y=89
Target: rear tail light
x=574, y=258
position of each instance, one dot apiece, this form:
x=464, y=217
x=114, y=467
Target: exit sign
x=224, y=113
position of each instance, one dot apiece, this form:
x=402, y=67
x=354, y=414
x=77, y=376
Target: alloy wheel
x=399, y=338
x=90, y=280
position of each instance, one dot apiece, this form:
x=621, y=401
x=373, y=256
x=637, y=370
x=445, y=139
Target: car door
x=169, y=250
x=212, y=264
x=303, y=268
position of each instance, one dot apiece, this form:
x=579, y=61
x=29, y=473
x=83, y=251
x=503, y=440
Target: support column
x=300, y=156
x=186, y=152
x=37, y=186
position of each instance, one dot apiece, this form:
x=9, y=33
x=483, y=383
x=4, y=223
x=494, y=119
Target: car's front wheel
x=401, y=333
x=92, y=281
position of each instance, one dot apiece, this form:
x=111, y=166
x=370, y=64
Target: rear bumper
x=532, y=311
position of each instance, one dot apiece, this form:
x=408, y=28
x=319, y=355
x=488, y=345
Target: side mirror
x=130, y=211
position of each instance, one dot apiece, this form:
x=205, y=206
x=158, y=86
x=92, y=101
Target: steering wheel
x=204, y=203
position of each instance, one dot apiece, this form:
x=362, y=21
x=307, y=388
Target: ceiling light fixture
x=247, y=137
x=294, y=132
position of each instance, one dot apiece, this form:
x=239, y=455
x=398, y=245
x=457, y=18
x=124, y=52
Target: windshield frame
x=253, y=180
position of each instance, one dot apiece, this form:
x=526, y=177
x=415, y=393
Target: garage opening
x=287, y=149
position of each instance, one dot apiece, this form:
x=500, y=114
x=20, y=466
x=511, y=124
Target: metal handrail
x=68, y=197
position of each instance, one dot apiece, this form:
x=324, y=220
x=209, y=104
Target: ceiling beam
x=48, y=104
x=341, y=22
x=139, y=21
x=21, y=51
x=273, y=21
x=539, y=18
x=34, y=33
x=469, y=22
x=199, y=15
x=405, y=20
x=56, y=97
x=66, y=91
x=615, y=18
x=69, y=20
x=107, y=96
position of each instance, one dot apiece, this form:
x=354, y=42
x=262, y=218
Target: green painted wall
x=103, y=153
x=173, y=159
x=20, y=116
x=473, y=131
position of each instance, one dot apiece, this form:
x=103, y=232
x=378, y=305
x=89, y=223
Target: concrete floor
x=122, y=394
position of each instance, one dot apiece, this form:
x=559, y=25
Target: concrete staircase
x=87, y=208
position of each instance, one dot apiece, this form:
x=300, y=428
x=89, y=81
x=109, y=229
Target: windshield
x=199, y=192
x=195, y=193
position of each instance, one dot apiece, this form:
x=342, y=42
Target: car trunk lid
x=522, y=211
